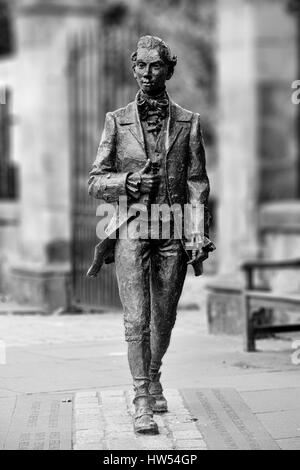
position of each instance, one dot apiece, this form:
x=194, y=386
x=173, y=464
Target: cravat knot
x=150, y=107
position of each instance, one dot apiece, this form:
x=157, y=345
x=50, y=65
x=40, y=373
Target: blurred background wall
x=66, y=63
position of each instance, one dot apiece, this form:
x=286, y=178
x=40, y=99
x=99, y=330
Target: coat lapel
x=132, y=120
x=177, y=117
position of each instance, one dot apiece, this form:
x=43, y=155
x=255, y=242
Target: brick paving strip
x=226, y=421
x=103, y=421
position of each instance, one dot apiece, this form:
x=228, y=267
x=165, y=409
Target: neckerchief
x=153, y=110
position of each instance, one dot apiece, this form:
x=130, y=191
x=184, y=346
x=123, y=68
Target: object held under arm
x=198, y=243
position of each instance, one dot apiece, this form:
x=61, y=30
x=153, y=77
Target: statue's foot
x=143, y=417
x=159, y=404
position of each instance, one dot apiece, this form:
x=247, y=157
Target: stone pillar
x=237, y=213
x=9, y=227
x=42, y=147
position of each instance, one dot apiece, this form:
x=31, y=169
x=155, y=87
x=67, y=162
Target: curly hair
x=154, y=42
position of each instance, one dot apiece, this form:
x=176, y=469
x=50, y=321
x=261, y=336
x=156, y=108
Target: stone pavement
x=198, y=419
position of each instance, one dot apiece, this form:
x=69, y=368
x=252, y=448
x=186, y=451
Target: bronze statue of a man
x=152, y=152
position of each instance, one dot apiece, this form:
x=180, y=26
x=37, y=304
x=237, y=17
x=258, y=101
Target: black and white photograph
x=149, y=228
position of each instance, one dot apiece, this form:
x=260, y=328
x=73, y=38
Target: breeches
x=150, y=276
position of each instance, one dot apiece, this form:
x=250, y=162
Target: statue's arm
x=104, y=180
x=198, y=182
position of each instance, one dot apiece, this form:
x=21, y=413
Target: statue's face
x=150, y=71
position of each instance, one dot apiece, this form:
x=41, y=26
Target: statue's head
x=153, y=64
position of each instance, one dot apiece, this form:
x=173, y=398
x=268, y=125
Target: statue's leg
x=132, y=258
x=168, y=271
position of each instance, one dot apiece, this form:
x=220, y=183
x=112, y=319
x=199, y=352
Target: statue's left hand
x=198, y=255
x=201, y=254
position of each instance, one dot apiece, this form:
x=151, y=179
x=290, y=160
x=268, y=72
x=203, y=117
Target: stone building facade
x=36, y=265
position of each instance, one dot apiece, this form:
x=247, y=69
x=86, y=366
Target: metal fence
x=100, y=80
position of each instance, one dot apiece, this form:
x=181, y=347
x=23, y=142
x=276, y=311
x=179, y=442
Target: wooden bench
x=256, y=302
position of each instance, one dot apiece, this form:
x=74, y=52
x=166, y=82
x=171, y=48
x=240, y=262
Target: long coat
x=122, y=151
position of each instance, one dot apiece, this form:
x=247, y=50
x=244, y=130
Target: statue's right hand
x=134, y=179
x=144, y=181
x=149, y=182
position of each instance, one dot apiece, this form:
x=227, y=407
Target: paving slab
x=263, y=401
x=289, y=444
x=41, y=422
x=7, y=406
x=281, y=424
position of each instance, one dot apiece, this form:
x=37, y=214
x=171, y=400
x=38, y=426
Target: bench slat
x=269, y=264
x=273, y=300
x=269, y=295
x=277, y=328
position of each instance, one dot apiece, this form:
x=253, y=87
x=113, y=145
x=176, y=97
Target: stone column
x=42, y=146
x=237, y=213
